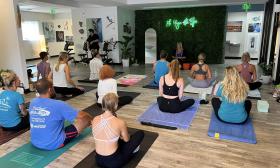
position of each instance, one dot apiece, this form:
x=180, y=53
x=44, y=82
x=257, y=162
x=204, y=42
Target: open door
x=150, y=46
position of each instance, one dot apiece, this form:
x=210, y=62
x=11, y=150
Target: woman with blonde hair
x=171, y=88
x=234, y=108
x=113, y=144
x=180, y=54
x=107, y=84
x=62, y=82
x=13, y=115
x=248, y=72
x=201, y=75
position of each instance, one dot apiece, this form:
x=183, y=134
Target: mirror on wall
x=150, y=46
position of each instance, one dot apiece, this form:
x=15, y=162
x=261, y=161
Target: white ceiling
x=62, y=6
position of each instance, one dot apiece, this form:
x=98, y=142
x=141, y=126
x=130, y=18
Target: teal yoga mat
x=28, y=156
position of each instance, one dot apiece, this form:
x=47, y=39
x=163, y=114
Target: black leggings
x=123, y=154
x=174, y=105
x=24, y=123
x=254, y=85
x=123, y=100
x=68, y=91
x=216, y=103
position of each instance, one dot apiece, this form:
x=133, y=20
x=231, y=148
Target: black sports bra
x=170, y=90
x=200, y=70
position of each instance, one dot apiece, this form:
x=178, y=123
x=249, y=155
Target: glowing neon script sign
x=178, y=24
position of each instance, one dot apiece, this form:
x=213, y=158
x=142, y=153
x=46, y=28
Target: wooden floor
x=182, y=148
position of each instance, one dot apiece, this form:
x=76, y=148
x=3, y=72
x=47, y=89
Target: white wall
x=11, y=53
x=81, y=14
x=126, y=16
x=33, y=48
x=243, y=38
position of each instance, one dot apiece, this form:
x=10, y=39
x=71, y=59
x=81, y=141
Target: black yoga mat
x=149, y=139
x=6, y=136
x=64, y=98
x=96, y=80
x=95, y=110
x=150, y=87
x=159, y=126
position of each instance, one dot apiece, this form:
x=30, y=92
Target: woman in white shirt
x=62, y=82
x=95, y=65
x=107, y=84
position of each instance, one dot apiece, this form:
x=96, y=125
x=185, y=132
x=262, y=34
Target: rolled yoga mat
x=27, y=156
x=151, y=85
x=154, y=117
x=234, y=132
x=96, y=80
x=254, y=94
x=95, y=110
x=149, y=139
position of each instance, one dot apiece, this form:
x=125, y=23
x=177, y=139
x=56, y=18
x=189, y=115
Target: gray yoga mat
x=149, y=139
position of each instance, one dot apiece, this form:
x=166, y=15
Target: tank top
x=170, y=90
x=245, y=73
x=110, y=134
x=59, y=77
x=200, y=70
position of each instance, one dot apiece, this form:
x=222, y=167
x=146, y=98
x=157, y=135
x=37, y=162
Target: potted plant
x=266, y=73
x=126, y=50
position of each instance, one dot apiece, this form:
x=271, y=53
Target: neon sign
x=246, y=6
x=179, y=24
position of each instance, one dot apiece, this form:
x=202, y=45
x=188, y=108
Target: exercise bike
x=106, y=51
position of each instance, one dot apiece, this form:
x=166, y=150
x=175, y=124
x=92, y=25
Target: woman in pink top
x=248, y=72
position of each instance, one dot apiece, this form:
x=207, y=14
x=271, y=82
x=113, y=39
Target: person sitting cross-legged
x=95, y=65
x=13, y=115
x=113, y=144
x=160, y=67
x=47, y=117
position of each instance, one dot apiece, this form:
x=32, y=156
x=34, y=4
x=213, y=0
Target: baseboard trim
x=239, y=58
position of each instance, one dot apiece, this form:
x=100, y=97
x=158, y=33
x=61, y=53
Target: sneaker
x=137, y=149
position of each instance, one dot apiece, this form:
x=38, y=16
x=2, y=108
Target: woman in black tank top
x=170, y=95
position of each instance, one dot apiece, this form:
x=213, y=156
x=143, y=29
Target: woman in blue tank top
x=233, y=106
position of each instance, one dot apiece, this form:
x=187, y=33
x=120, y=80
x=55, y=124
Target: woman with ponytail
x=62, y=82
x=171, y=88
x=233, y=106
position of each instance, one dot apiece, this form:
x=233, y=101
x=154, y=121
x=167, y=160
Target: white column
x=11, y=54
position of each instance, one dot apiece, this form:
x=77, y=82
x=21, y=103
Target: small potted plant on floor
x=126, y=48
x=266, y=73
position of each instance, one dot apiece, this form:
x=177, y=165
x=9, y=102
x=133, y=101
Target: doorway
x=150, y=46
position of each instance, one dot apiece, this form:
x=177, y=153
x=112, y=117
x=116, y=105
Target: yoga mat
x=182, y=120
x=96, y=80
x=151, y=85
x=149, y=139
x=28, y=156
x=235, y=132
x=254, y=94
x=130, y=79
x=6, y=136
x=95, y=110
x=190, y=89
x=64, y=98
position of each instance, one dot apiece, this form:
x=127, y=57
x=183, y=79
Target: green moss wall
x=208, y=36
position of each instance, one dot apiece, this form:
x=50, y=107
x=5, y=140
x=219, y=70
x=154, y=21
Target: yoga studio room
x=140, y=83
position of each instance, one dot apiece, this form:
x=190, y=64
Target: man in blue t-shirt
x=13, y=115
x=160, y=67
x=47, y=117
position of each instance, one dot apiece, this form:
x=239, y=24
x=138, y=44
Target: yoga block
x=263, y=106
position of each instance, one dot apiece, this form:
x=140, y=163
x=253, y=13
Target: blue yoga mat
x=180, y=120
x=28, y=156
x=235, y=132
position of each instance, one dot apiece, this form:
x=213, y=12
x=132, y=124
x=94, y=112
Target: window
x=30, y=31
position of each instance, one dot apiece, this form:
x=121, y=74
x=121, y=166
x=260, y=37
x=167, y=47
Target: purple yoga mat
x=235, y=132
x=180, y=120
